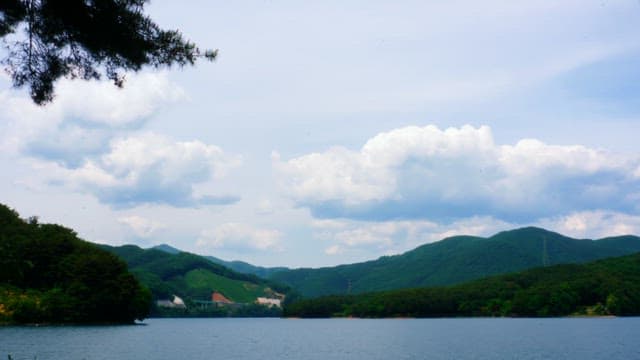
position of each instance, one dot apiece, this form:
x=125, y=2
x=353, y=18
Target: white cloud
x=372, y=238
x=365, y=237
x=141, y=226
x=264, y=207
x=334, y=250
x=150, y=168
x=241, y=237
x=83, y=118
x=330, y=224
x=594, y=224
x=425, y=172
x=356, y=177
x=100, y=102
x=393, y=237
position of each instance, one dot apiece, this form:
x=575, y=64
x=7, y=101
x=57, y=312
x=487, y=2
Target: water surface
x=253, y=339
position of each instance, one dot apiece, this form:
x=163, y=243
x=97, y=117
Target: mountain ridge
x=455, y=260
x=235, y=265
x=608, y=286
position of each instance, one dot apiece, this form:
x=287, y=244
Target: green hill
x=246, y=268
x=604, y=287
x=49, y=275
x=167, y=248
x=455, y=260
x=236, y=265
x=191, y=277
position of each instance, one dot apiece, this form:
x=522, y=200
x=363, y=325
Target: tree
x=85, y=39
x=48, y=274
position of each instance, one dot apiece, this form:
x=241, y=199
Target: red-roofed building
x=218, y=298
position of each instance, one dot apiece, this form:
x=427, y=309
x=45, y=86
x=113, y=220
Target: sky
x=336, y=132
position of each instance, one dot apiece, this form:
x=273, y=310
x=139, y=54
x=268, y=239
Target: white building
x=268, y=301
x=175, y=303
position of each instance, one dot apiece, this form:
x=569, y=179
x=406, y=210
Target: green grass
x=235, y=290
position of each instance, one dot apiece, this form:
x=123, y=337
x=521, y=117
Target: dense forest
x=604, y=287
x=456, y=260
x=49, y=275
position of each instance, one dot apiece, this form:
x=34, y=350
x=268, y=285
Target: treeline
x=605, y=287
x=49, y=275
x=194, y=311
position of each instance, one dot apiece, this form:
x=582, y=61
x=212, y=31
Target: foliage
x=48, y=274
x=605, y=287
x=456, y=260
x=83, y=39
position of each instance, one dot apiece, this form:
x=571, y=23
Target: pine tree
x=86, y=39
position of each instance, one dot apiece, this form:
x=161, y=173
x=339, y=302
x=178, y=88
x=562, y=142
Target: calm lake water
x=193, y=339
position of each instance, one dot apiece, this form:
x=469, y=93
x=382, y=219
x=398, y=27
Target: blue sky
x=330, y=133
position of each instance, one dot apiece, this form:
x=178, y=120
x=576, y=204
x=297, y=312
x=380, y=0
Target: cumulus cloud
x=99, y=102
x=141, y=226
x=150, y=168
x=445, y=175
x=241, y=237
x=84, y=117
x=89, y=139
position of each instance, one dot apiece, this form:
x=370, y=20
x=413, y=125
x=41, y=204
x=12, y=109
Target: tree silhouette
x=86, y=39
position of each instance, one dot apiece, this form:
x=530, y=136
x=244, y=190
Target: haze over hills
x=455, y=260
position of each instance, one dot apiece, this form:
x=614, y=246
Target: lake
x=323, y=339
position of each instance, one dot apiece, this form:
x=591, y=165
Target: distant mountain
x=237, y=266
x=605, y=287
x=168, y=271
x=167, y=248
x=455, y=260
x=246, y=268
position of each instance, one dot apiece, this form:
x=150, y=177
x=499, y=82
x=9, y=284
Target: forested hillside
x=604, y=287
x=192, y=277
x=455, y=260
x=235, y=265
x=49, y=275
